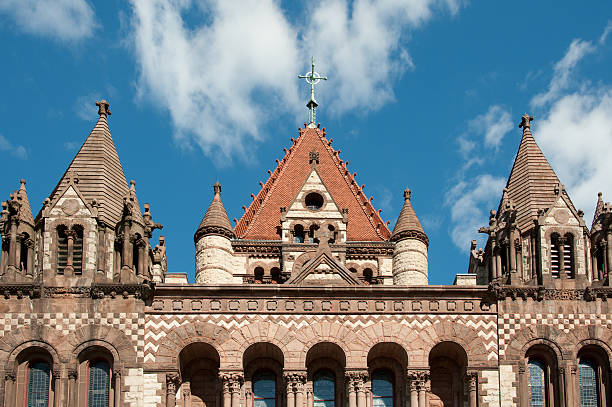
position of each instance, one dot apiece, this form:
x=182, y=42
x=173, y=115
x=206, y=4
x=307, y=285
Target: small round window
x=314, y=201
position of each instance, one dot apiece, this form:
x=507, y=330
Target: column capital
x=471, y=379
x=9, y=376
x=418, y=375
x=73, y=374
x=172, y=380
x=232, y=381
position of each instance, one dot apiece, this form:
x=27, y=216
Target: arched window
x=23, y=251
x=298, y=234
x=264, y=389
x=313, y=201
x=259, y=275
x=324, y=389
x=99, y=384
x=332, y=232
x=39, y=380
x=537, y=383
x=275, y=275
x=587, y=376
x=311, y=234
x=382, y=389
x=368, y=276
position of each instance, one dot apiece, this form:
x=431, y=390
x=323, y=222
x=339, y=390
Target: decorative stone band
x=411, y=234
x=213, y=230
x=501, y=292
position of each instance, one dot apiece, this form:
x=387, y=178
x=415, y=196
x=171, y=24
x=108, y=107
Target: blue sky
x=423, y=94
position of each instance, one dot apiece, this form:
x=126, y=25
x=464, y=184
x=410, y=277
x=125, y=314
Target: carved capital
x=356, y=379
x=172, y=381
x=232, y=381
x=9, y=376
x=73, y=374
x=471, y=379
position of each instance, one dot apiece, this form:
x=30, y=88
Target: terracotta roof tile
x=262, y=217
x=100, y=174
x=532, y=181
x=215, y=220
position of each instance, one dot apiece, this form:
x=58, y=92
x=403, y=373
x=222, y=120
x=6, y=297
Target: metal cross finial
x=312, y=78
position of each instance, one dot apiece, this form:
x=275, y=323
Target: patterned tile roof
x=532, y=181
x=99, y=172
x=215, y=220
x=262, y=217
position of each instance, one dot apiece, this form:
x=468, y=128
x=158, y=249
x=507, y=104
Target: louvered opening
x=23, y=252
x=568, y=256
x=555, y=261
x=77, y=252
x=62, y=250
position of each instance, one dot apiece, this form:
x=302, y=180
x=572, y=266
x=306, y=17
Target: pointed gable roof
x=408, y=225
x=599, y=209
x=25, y=212
x=99, y=171
x=261, y=218
x=532, y=181
x=215, y=220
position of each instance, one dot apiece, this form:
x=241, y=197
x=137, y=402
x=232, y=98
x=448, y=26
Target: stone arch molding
x=27, y=336
x=112, y=339
x=526, y=337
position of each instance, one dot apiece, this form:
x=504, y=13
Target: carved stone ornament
x=497, y=291
x=70, y=206
x=561, y=216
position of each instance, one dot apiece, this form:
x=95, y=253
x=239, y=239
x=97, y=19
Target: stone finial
x=559, y=188
x=132, y=185
x=103, y=109
x=525, y=121
x=22, y=182
x=407, y=194
x=217, y=188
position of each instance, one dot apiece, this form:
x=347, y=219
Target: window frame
x=258, y=375
x=91, y=362
x=28, y=372
x=391, y=377
x=315, y=378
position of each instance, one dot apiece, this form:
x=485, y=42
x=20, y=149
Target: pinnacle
x=215, y=221
x=408, y=225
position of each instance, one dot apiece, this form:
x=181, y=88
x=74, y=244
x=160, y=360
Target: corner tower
x=410, y=252
x=213, y=244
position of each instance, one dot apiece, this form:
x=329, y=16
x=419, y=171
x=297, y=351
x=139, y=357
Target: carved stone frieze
x=20, y=290
x=500, y=292
x=257, y=249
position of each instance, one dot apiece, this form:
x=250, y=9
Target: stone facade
x=310, y=289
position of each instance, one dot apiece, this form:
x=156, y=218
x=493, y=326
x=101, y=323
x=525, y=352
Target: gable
x=323, y=269
x=262, y=218
x=313, y=184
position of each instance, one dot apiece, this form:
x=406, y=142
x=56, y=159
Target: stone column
x=171, y=382
x=72, y=387
x=562, y=390
x=30, y=266
x=117, y=380
x=299, y=393
x=355, y=381
x=126, y=250
x=56, y=388
x=498, y=262
x=141, y=257
x=519, y=259
x=9, y=389
x=594, y=271
x=512, y=250
x=494, y=272
x=186, y=390
x=361, y=394
x=101, y=250
x=414, y=393
x=472, y=382
x=523, y=389
x=235, y=389
x=18, y=252
x=309, y=395
x=12, y=260
x=608, y=254
x=421, y=394
x=227, y=394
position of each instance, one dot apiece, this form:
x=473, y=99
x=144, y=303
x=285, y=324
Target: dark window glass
x=314, y=201
x=298, y=234
x=38, y=385
x=588, y=384
x=537, y=380
x=99, y=383
x=264, y=389
x=382, y=389
x=324, y=388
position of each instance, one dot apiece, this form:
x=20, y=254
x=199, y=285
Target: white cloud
x=467, y=200
x=65, y=20
x=606, y=32
x=218, y=77
x=17, y=151
x=493, y=125
x=563, y=69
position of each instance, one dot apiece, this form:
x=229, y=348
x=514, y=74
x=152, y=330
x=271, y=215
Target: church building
x=309, y=300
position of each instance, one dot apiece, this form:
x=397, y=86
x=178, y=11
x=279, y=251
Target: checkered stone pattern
x=157, y=326
x=509, y=324
x=131, y=324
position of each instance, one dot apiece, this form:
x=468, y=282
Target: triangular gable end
x=333, y=272
x=313, y=183
x=262, y=218
x=70, y=203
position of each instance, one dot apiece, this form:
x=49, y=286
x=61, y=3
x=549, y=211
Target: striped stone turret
x=411, y=242
x=213, y=244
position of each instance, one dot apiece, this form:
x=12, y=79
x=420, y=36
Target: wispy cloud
x=64, y=20
x=219, y=77
x=15, y=150
x=563, y=70
x=606, y=32
x=493, y=125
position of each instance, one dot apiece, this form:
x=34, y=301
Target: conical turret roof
x=532, y=182
x=408, y=225
x=215, y=221
x=99, y=172
x=25, y=212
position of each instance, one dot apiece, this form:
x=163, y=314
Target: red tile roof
x=262, y=217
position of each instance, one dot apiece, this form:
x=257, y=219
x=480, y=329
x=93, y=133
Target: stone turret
x=213, y=244
x=411, y=242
